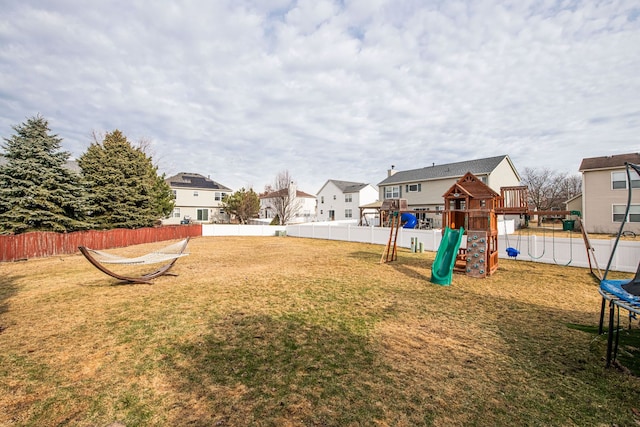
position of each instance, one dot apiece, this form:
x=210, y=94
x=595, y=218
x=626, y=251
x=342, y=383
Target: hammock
x=168, y=254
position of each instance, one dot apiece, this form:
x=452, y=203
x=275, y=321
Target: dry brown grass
x=283, y=331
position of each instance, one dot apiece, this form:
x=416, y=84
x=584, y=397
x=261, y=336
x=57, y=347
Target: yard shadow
x=279, y=371
x=365, y=255
x=8, y=288
x=562, y=351
x=409, y=266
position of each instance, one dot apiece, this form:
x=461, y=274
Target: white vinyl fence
x=545, y=249
x=241, y=230
x=538, y=248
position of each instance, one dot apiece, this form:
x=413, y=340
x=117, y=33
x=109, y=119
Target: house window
x=483, y=178
x=348, y=213
x=203, y=214
x=618, y=213
x=176, y=212
x=413, y=188
x=219, y=196
x=195, y=194
x=619, y=181
x=348, y=198
x=175, y=193
x=392, y=192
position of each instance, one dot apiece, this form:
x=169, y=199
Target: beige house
x=424, y=188
x=605, y=193
x=197, y=199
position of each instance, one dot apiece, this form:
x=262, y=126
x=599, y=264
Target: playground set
x=471, y=208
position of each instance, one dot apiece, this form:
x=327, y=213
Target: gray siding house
x=424, y=188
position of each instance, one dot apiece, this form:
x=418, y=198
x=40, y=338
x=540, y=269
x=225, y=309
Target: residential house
x=341, y=200
x=605, y=193
x=424, y=188
x=302, y=205
x=197, y=199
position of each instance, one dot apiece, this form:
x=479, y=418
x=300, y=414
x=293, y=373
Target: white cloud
x=329, y=89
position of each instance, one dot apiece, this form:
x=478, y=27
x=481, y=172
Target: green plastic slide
x=442, y=268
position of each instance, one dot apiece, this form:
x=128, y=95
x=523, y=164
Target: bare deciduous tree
x=282, y=198
x=550, y=190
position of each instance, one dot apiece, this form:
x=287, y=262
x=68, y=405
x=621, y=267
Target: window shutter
x=419, y=187
x=406, y=188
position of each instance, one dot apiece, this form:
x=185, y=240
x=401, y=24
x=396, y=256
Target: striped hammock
x=167, y=253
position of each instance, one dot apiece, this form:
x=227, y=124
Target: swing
x=511, y=251
x=553, y=247
x=620, y=293
x=544, y=242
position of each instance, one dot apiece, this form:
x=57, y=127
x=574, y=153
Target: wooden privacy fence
x=41, y=244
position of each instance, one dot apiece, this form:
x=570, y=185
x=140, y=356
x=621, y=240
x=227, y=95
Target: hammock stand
x=168, y=254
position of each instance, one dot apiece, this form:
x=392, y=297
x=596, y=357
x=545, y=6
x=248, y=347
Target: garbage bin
x=568, y=224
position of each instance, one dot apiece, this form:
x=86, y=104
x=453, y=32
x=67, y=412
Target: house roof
x=345, y=186
x=194, y=180
x=470, y=185
x=450, y=170
x=607, y=162
x=285, y=191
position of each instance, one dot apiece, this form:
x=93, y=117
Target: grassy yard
x=280, y=331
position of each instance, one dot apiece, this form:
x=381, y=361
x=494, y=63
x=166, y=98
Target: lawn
x=282, y=331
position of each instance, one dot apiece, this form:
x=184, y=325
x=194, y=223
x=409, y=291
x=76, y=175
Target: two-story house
x=605, y=193
x=197, y=198
x=341, y=200
x=300, y=206
x=424, y=188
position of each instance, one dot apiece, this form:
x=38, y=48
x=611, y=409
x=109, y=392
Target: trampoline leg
x=600, y=327
x=610, y=337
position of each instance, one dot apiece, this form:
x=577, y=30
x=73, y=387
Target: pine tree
x=37, y=190
x=124, y=186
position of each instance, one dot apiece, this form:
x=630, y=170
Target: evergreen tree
x=243, y=204
x=124, y=186
x=37, y=190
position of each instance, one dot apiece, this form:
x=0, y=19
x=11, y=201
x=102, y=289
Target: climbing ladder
x=390, y=251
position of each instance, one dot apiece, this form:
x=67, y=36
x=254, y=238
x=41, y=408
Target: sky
x=242, y=90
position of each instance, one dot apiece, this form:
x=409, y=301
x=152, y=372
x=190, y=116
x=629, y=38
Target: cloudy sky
x=243, y=89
